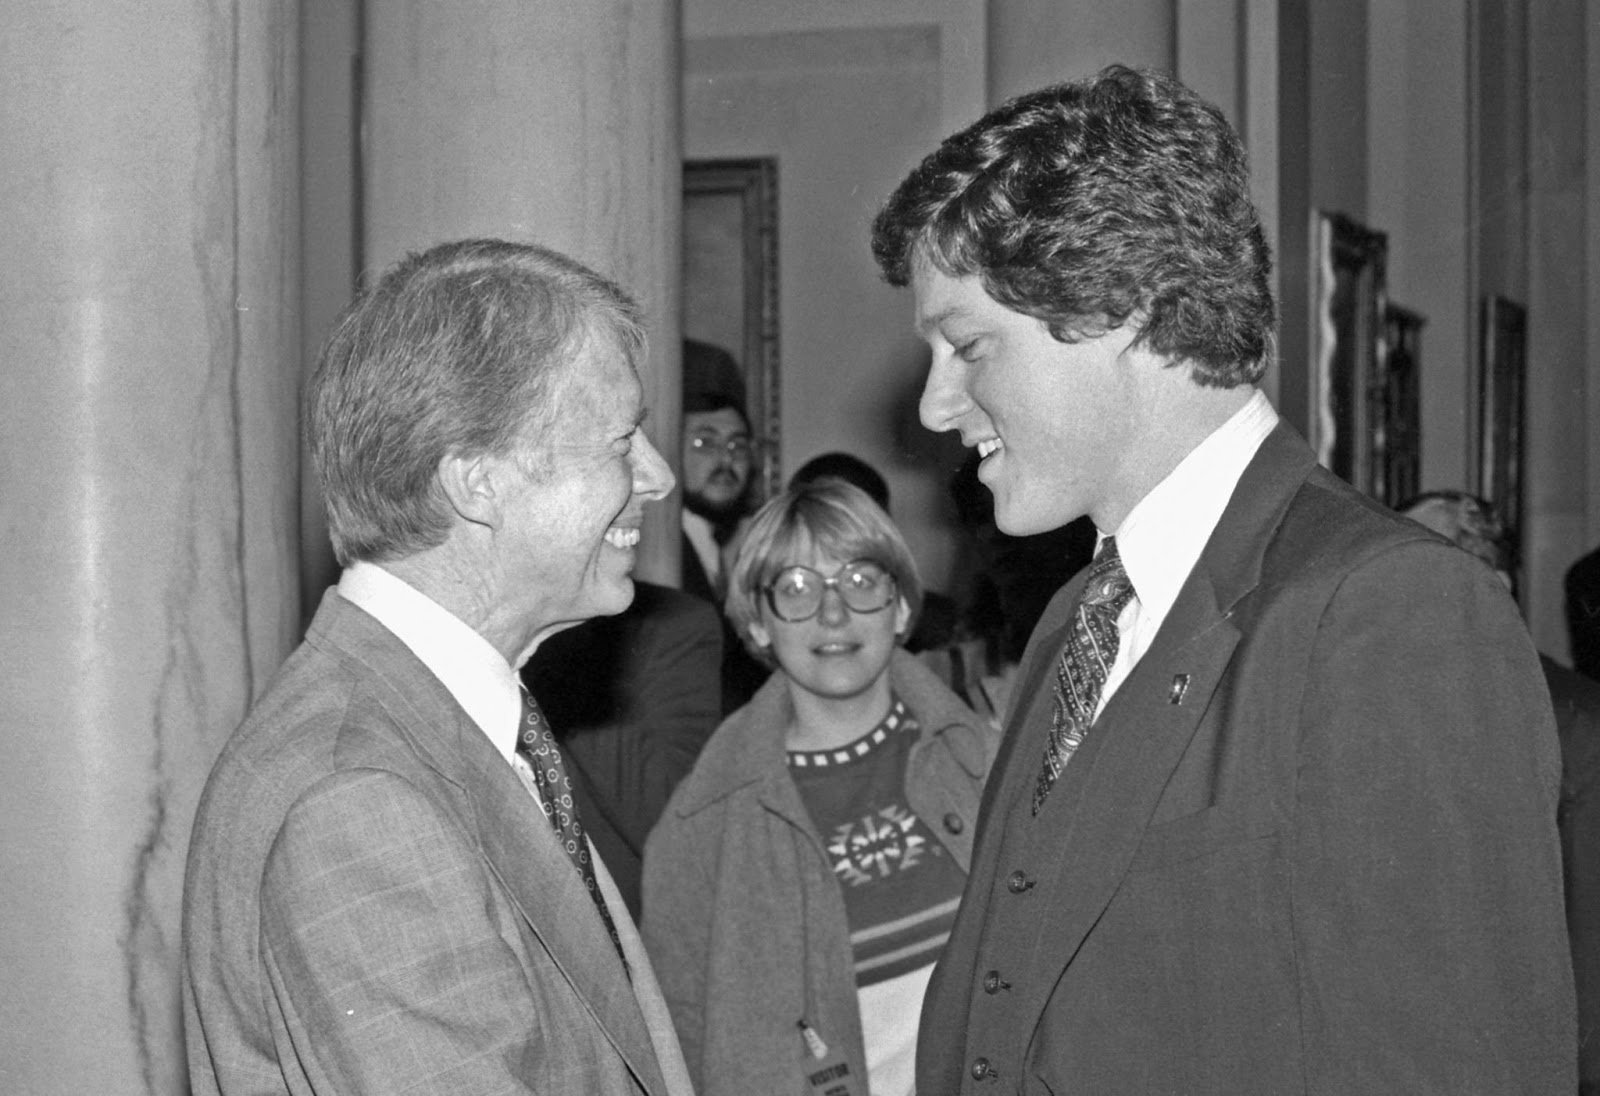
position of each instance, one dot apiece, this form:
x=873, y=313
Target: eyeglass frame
x=831, y=582
x=737, y=447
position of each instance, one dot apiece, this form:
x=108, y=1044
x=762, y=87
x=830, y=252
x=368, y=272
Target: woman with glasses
x=803, y=879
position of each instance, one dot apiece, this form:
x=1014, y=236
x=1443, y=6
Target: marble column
x=148, y=476
x=555, y=123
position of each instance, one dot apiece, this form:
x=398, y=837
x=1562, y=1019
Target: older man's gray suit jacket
x=1308, y=847
x=374, y=903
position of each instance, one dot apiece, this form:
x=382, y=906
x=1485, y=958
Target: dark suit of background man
x=1306, y=841
x=632, y=698
x=376, y=900
x=1582, y=587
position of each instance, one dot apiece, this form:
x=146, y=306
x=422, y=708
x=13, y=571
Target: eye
x=864, y=576
x=969, y=349
x=793, y=581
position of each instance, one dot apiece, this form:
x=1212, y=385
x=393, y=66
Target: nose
x=944, y=394
x=652, y=478
x=833, y=611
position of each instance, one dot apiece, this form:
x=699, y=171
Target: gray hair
x=459, y=349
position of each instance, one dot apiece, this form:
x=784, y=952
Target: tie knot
x=1108, y=582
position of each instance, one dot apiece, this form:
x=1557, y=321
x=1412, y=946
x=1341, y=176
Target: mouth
x=988, y=446
x=835, y=649
x=623, y=537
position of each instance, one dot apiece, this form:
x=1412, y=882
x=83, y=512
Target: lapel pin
x=1180, y=688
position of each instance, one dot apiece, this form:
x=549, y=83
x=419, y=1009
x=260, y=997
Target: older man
x=388, y=889
x=1275, y=808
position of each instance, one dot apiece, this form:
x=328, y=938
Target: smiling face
x=570, y=528
x=839, y=654
x=1054, y=422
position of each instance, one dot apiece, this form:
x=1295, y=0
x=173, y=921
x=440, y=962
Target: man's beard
x=723, y=516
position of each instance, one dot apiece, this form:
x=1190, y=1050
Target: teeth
x=622, y=538
x=987, y=447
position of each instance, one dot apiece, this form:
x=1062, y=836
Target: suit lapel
x=1097, y=815
x=524, y=852
x=515, y=837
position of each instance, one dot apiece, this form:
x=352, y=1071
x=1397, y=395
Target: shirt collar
x=1162, y=537
x=476, y=674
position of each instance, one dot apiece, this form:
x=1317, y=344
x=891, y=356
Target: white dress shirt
x=476, y=674
x=1163, y=535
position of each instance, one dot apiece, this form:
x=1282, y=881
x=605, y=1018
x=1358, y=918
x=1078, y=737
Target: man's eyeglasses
x=737, y=448
x=796, y=594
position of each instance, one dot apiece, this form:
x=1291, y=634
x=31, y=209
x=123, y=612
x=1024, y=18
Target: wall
x=1033, y=43
x=1559, y=181
x=846, y=111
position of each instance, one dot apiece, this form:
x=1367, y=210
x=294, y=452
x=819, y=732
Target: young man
x=1275, y=807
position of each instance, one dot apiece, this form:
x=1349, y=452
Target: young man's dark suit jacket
x=375, y=904
x=1308, y=847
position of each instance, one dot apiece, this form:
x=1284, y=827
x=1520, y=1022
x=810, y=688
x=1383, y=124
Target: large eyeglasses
x=796, y=594
x=737, y=447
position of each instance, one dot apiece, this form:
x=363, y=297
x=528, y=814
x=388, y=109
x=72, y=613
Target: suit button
x=980, y=1069
x=953, y=823
x=1018, y=882
x=993, y=983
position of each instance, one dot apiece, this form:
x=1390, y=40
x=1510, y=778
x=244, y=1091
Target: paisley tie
x=1085, y=661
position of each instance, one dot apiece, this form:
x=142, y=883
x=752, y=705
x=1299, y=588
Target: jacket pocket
x=1201, y=834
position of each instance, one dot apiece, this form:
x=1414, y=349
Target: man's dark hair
x=463, y=349
x=1120, y=196
x=848, y=467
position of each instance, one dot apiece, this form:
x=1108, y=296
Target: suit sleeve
x=1426, y=872
x=383, y=952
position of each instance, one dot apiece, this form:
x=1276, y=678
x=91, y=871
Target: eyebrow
x=926, y=324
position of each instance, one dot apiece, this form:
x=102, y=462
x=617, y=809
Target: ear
x=902, y=616
x=473, y=486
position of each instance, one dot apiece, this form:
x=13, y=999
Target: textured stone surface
x=147, y=456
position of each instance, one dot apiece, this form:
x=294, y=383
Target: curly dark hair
x=1083, y=204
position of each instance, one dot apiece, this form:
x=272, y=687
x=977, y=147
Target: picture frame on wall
x=1349, y=306
x=1501, y=391
x=730, y=285
x=1397, y=414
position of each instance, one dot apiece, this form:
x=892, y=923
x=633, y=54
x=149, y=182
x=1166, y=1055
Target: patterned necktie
x=1085, y=661
x=537, y=746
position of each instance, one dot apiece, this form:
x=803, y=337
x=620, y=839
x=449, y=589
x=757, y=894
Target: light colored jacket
x=743, y=917
x=375, y=904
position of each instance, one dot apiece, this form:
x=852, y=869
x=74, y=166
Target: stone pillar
x=555, y=123
x=148, y=474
